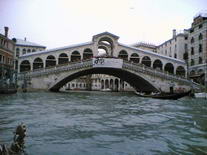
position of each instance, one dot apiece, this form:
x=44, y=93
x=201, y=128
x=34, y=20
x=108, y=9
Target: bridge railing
x=153, y=72
x=137, y=67
x=55, y=69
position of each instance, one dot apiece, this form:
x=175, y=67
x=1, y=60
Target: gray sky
x=56, y=23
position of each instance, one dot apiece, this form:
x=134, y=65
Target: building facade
x=23, y=47
x=197, y=49
x=176, y=46
x=190, y=45
x=7, y=72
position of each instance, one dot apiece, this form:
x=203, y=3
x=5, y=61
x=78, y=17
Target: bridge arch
x=134, y=58
x=38, y=63
x=25, y=66
x=192, y=72
x=63, y=58
x=169, y=68
x=136, y=81
x=157, y=64
x=146, y=61
x=75, y=56
x=180, y=71
x=87, y=53
x=123, y=55
x=50, y=61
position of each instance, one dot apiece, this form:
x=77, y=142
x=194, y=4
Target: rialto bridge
x=144, y=70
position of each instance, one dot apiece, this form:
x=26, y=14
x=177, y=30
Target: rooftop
x=21, y=42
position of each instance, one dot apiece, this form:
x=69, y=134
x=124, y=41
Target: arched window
x=25, y=66
x=111, y=84
x=157, y=64
x=28, y=51
x=63, y=58
x=169, y=68
x=33, y=50
x=38, y=63
x=134, y=58
x=180, y=71
x=146, y=61
x=87, y=54
x=106, y=83
x=102, y=84
x=116, y=85
x=50, y=61
x=23, y=51
x=123, y=55
x=75, y=56
x=192, y=72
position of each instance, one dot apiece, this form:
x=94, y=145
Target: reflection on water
x=104, y=123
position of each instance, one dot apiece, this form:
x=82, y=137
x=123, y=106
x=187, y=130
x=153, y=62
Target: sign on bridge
x=107, y=62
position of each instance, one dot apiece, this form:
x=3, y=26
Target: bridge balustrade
x=137, y=67
x=56, y=69
x=150, y=71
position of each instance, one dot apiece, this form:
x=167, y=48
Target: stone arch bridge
x=142, y=78
x=142, y=69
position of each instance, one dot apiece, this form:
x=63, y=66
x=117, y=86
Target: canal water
x=104, y=123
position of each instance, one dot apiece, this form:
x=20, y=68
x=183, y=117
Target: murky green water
x=97, y=123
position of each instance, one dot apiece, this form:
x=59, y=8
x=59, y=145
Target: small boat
x=167, y=96
x=201, y=95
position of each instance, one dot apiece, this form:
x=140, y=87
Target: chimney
x=6, y=29
x=174, y=33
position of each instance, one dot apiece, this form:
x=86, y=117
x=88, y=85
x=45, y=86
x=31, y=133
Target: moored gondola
x=167, y=96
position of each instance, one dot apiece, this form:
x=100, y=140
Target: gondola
x=167, y=96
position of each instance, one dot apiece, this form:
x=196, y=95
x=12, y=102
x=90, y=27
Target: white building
x=23, y=47
x=190, y=45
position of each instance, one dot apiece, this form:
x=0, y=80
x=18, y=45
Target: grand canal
x=103, y=123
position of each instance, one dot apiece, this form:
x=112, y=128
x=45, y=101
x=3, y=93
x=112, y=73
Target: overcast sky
x=57, y=23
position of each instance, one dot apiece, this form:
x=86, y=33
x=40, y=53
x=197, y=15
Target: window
x=200, y=48
x=186, y=38
x=0, y=58
x=192, y=51
x=28, y=51
x=17, y=52
x=200, y=26
x=192, y=40
x=200, y=60
x=200, y=37
x=23, y=51
x=191, y=30
x=186, y=47
x=175, y=55
x=192, y=62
